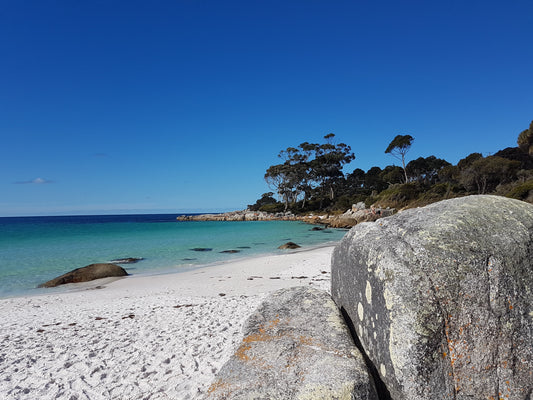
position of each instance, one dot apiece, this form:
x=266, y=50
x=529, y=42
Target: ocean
x=34, y=250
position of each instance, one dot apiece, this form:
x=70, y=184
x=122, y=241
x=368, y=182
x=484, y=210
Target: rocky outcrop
x=357, y=214
x=295, y=346
x=245, y=215
x=441, y=298
x=86, y=274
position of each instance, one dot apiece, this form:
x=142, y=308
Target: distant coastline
x=357, y=214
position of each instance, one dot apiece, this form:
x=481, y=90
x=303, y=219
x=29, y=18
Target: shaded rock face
x=86, y=274
x=295, y=346
x=441, y=298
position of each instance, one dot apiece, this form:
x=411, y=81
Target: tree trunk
x=404, y=169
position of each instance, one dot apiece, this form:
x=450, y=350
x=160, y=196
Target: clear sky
x=181, y=106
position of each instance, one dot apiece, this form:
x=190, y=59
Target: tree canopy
x=311, y=176
x=311, y=168
x=525, y=139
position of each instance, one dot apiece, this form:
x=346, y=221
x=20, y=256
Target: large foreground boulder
x=295, y=346
x=441, y=298
x=86, y=274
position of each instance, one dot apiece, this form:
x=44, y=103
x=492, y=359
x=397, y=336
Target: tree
x=525, y=140
x=468, y=160
x=449, y=174
x=399, y=147
x=426, y=170
x=296, y=160
x=484, y=174
x=281, y=178
x=326, y=168
x=266, y=198
x=311, y=167
x=517, y=154
x=392, y=174
x=354, y=182
x=374, y=180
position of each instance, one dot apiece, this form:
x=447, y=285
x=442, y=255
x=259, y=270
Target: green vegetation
x=311, y=177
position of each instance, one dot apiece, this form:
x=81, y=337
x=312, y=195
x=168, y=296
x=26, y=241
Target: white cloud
x=36, y=181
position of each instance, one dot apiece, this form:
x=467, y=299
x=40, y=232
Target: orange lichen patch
x=462, y=329
x=510, y=305
x=270, y=325
x=220, y=386
x=257, y=337
x=241, y=352
x=305, y=340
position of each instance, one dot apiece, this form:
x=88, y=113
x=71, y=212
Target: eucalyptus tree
x=374, y=180
x=308, y=168
x=392, y=174
x=280, y=177
x=354, y=182
x=399, y=147
x=290, y=178
x=326, y=167
x=485, y=174
x=426, y=170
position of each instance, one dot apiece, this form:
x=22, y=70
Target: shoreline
x=32, y=259
x=158, y=336
x=164, y=271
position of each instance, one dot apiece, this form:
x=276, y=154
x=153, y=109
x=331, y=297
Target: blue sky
x=181, y=106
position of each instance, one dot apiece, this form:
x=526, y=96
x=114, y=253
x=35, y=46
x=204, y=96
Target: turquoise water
x=36, y=249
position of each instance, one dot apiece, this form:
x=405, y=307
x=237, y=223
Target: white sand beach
x=151, y=337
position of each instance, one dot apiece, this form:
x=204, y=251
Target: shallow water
x=36, y=249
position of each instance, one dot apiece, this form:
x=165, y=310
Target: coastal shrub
x=397, y=196
x=523, y=191
x=266, y=198
x=369, y=200
x=272, y=208
x=440, y=191
x=435, y=193
x=343, y=203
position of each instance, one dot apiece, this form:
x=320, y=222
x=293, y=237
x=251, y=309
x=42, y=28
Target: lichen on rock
x=451, y=289
x=295, y=346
